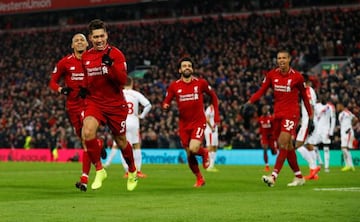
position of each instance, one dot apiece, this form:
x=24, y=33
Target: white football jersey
x=312, y=100
x=134, y=98
x=211, y=137
x=324, y=118
x=210, y=113
x=346, y=131
x=345, y=120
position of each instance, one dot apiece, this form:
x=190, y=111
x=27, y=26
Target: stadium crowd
x=232, y=53
x=144, y=10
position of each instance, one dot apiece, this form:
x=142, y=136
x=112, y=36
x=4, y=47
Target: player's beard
x=187, y=74
x=284, y=67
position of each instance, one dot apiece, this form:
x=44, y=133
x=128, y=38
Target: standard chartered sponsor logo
x=94, y=71
x=189, y=97
x=282, y=88
x=77, y=76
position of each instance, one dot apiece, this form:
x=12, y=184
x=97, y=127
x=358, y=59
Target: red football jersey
x=105, y=83
x=190, y=100
x=286, y=93
x=265, y=122
x=70, y=68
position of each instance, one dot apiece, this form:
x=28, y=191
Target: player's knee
x=88, y=134
x=89, y=128
x=193, y=149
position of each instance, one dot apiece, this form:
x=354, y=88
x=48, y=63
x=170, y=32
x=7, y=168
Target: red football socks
x=193, y=164
x=266, y=159
x=86, y=163
x=291, y=157
x=280, y=160
x=94, y=151
x=201, y=151
x=129, y=157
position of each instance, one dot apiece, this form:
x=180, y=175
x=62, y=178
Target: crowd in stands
x=153, y=10
x=232, y=53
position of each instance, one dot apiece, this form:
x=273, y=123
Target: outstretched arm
x=168, y=97
x=258, y=94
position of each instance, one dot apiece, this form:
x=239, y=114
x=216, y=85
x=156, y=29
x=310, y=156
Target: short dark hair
x=345, y=102
x=306, y=77
x=96, y=24
x=129, y=81
x=185, y=59
x=284, y=51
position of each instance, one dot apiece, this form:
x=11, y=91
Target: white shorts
x=302, y=134
x=347, y=139
x=211, y=138
x=132, y=135
x=317, y=138
x=303, y=131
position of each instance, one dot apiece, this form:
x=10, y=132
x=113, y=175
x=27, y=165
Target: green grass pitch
x=46, y=192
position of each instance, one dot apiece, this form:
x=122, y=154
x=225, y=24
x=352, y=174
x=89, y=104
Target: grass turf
x=46, y=192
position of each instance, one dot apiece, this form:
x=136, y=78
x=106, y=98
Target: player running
x=188, y=92
x=287, y=84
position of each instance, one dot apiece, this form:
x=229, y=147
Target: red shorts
x=285, y=125
x=76, y=117
x=266, y=139
x=113, y=116
x=196, y=132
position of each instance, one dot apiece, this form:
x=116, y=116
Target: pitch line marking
x=345, y=189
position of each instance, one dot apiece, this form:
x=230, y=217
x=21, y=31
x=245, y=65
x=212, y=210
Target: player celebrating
x=188, y=92
x=105, y=76
x=211, y=137
x=286, y=83
x=70, y=69
x=133, y=98
x=346, y=119
x=266, y=134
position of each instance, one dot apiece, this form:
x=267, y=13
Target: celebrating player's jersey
x=190, y=100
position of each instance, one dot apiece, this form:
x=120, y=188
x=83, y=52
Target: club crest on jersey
x=196, y=89
x=104, y=70
x=283, y=88
x=196, y=92
x=72, y=68
x=288, y=88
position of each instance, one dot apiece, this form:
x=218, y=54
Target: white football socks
x=305, y=154
x=326, y=157
x=137, y=158
x=212, y=155
x=111, y=156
